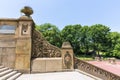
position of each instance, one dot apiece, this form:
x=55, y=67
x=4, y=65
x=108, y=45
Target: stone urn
x=27, y=11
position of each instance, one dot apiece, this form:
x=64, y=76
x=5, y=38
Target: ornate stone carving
x=24, y=29
x=94, y=70
x=41, y=48
x=67, y=56
x=68, y=60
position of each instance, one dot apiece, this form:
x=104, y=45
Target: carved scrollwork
x=42, y=48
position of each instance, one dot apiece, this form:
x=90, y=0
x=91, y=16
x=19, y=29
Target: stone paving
x=56, y=76
x=113, y=68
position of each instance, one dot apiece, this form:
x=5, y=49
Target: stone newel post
x=24, y=44
x=67, y=56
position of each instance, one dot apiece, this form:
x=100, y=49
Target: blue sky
x=65, y=12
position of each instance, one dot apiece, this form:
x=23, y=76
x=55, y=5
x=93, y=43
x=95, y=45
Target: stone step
x=14, y=77
x=8, y=74
x=3, y=69
x=5, y=72
x=5, y=77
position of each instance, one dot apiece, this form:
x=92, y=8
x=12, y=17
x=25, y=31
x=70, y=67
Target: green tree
x=99, y=34
x=51, y=33
x=114, y=42
x=114, y=38
x=71, y=33
x=116, y=51
x=85, y=39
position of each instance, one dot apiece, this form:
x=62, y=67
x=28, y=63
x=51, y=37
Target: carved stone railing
x=94, y=70
x=42, y=48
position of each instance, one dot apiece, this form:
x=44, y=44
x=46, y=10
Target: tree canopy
x=51, y=33
x=84, y=39
x=71, y=33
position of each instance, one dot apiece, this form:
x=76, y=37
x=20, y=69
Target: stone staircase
x=8, y=74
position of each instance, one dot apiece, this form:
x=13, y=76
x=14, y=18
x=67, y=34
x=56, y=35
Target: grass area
x=90, y=58
x=85, y=57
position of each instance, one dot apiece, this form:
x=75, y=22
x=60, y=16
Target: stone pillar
x=24, y=44
x=67, y=56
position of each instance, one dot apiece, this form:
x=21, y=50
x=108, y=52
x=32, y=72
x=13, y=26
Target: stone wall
x=7, y=43
x=46, y=65
x=7, y=53
x=15, y=43
x=20, y=43
x=25, y=49
x=45, y=57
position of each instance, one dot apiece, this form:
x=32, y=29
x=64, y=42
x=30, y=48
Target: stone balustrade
x=94, y=70
x=112, y=60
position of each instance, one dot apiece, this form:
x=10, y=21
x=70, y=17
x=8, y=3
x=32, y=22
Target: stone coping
x=16, y=19
x=8, y=19
x=48, y=58
x=96, y=78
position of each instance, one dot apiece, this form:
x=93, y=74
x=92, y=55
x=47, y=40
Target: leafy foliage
x=51, y=33
x=71, y=33
x=99, y=36
x=114, y=38
x=84, y=39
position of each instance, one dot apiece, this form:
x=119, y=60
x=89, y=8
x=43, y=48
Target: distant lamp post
x=27, y=11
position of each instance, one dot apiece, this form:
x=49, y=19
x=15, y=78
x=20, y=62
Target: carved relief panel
x=67, y=55
x=67, y=60
x=24, y=30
